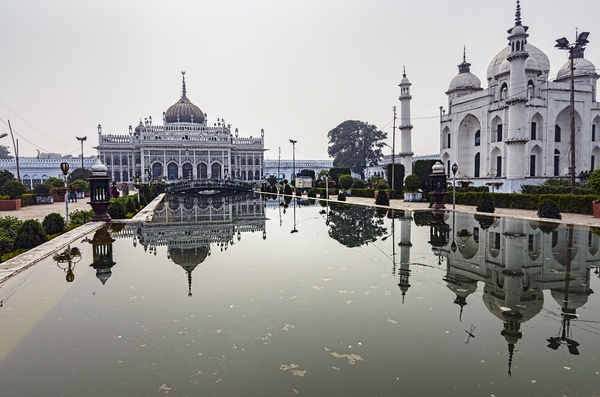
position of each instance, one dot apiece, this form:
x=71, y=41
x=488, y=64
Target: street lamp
x=454, y=171
x=293, y=142
x=573, y=48
x=64, y=167
x=81, y=139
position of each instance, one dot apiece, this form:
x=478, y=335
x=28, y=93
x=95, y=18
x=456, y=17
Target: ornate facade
x=184, y=146
x=517, y=130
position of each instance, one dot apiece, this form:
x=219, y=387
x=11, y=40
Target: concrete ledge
x=34, y=255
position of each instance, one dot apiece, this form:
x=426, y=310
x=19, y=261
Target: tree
x=6, y=176
x=4, y=152
x=423, y=169
x=79, y=173
x=356, y=144
x=355, y=226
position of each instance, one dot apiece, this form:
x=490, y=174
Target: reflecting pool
x=246, y=296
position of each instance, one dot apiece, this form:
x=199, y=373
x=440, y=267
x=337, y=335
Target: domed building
x=186, y=145
x=517, y=130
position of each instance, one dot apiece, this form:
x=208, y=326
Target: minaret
x=405, y=126
x=516, y=131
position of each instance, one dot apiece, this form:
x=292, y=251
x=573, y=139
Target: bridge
x=208, y=187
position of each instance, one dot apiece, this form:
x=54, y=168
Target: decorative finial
x=465, y=54
x=518, y=14
x=183, y=74
x=511, y=353
x=403, y=71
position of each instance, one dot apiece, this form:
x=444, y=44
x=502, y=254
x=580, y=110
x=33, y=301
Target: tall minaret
x=516, y=128
x=405, y=126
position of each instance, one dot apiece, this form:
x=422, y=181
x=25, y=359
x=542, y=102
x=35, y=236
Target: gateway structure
x=184, y=146
x=517, y=130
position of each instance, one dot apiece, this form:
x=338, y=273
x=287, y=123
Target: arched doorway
x=188, y=171
x=172, y=171
x=215, y=171
x=202, y=171
x=157, y=170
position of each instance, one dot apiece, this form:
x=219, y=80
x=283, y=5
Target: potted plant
x=43, y=194
x=412, y=183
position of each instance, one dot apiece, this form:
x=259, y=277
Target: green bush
x=28, y=199
x=53, y=223
x=9, y=225
x=42, y=190
x=382, y=198
x=298, y=192
x=30, y=234
x=312, y=193
x=81, y=185
x=14, y=189
x=116, y=209
x=54, y=181
x=130, y=206
x=79, y=217
x=287, y=189
x=143, y=200
x=341, y=196
x=486, y=203
x=549, y=209
x=593, y=180
x=4, y=197
x=345, y=181
x=358, y=184
x=412, y=183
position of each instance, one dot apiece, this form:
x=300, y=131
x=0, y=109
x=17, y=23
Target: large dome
x=184, y=110
x=464, y=81
x=537, y=61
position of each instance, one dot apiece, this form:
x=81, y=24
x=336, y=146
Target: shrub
x=412, y=183
x=549, y=209
x=382, y=198
x=54, y=181
x=14, y=189
x=593, y=180
x=4, y=197
x=9, y=225
x=486, y=203
x=358, y=184
x=6, y=176
x=53, y=223
x=28, y=199
x=312, y=193
x=298, y=192
x=345, y=181
x=79, y=217
x=81, y=185
x=341, y=196
x=30, y=234
x=287, y=189
x=42, y=189
x=130, y=206
x=116, y=209
x=143, y=200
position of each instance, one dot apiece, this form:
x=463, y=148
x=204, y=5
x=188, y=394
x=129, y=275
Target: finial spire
x=183, y=75
x=518, y=14
x=464, y=67
x=403, y=71
x=464, y=54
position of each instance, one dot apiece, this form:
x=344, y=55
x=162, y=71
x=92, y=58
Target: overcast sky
x=297, y=69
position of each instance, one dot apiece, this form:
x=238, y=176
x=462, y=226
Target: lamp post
x=82, y=139
x=454, y=171
x=327, y=185
x=573, y=48
x=293, y=142
x=64, y=167
x=16, y=148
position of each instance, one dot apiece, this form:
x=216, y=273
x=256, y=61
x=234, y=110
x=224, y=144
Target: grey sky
x=296, y=69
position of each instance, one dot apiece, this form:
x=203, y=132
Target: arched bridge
x=205, y=186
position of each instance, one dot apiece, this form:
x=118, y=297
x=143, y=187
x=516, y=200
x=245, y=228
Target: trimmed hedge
x=27, y=200
x=577, y=204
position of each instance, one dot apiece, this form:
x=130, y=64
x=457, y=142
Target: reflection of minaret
x=405, y=244
x=405, y=126
x=102, y=254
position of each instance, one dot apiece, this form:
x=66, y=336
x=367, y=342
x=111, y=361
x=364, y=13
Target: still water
x=247, y=297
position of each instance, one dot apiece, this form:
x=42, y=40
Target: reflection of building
x=516, y=262
x=185, y=145
x=518, y=128
x=191, y=227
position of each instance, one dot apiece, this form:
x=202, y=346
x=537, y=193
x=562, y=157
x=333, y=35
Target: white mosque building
x=184, y=146
x=517, y=130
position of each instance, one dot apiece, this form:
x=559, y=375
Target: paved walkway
x=40, y=211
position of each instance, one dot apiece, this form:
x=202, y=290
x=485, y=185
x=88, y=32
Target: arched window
x=477, y=165
x=556, y=133
x=556, y=162
x=478, y=138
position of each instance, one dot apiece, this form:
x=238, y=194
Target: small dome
x=583, y=68
x=140, y=127
x=464, y=81
x=188, y=257
x=438, y=168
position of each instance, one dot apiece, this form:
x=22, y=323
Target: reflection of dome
x=537, y=61
x=188, y=257
x=576, y=300
x=103, y=275
x=582, y=68
x=184, y=111
x=528, y=308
